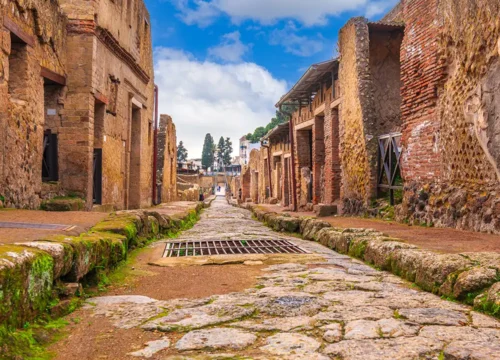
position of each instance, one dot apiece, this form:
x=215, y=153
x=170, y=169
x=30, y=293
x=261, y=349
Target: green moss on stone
x=357, y=248
x=25, y=284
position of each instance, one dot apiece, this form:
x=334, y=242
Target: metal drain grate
x=230, y=247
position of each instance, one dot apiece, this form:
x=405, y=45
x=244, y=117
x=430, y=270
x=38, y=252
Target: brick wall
x=318, y=149
x=104, y=59
x=421, y=73
x=332, y=170
x=450, y=114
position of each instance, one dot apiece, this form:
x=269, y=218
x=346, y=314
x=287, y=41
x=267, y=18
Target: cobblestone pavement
x=339, y=309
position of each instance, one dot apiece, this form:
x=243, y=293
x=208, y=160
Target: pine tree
x=182, y=153
x=228, y=150
x=221, y=150
x=207, y=156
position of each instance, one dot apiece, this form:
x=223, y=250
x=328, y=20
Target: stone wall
x=39, y=42
x=371, y=105
x=167, y=159
x=86, y=78
x=281, y=184
x=354, y=77
x=452, y=128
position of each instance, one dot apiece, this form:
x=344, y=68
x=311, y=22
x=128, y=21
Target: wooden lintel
x=10, y=25
x=53, y=76
x=101, y=98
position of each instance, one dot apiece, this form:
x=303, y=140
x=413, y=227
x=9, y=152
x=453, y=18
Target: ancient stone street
x=334, y=308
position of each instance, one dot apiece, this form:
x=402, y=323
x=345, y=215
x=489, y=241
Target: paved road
x=339, y=309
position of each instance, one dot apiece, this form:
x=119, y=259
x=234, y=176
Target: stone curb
x=472, y=278
x=28, y=271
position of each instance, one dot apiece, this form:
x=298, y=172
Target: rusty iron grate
x=230, y=247
x=16, y=225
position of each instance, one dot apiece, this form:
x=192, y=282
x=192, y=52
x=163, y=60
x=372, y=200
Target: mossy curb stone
x=26, y=278
x=28, y=270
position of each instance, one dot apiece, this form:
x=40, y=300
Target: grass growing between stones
x=30, y=342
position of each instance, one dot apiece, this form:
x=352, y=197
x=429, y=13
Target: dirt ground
x=443, y=240
x=82, y=221
x=97, y=338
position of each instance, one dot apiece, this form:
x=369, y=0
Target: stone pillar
x=331, y=171
x=318, y=148
x=76, y=134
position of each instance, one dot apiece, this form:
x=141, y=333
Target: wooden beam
x=53, y=76
x=101, y=98
x=10, y=25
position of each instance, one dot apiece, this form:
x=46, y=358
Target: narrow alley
x=314, y=305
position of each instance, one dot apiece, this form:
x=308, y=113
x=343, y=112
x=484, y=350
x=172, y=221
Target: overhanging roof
x=308, y=81
x=278, y=130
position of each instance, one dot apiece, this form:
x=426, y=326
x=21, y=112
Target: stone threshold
x=244, y=259
x=29, y=271
x=472, y=278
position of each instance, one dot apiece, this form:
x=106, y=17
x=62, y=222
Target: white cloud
x=376, y=8
x=202, y=15
x=231, y=49
x=266, y=12
x=206, y=97
x=293, y=43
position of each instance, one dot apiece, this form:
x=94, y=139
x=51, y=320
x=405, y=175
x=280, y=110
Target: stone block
x=473, y=280
x=312, y=227
x=62, y=255
x=325, y=210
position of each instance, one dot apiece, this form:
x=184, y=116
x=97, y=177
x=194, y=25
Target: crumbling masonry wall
x=357, y=178
x=451, y=116
x=370, y=70
x=41, y=26
x=167, y=160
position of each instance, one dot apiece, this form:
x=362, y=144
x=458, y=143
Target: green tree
x=280, y=118
x=228, y=151
x=221, y=150
x=207, y=156
x=182, y=153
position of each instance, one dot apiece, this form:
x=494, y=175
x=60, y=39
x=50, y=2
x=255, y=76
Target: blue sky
x=221, y=65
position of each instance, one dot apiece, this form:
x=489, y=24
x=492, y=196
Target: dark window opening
x=97, y=172
x=50, y=170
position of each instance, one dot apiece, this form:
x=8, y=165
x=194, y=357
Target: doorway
x=134, y=189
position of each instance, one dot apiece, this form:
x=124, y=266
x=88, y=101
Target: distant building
x=245, y=148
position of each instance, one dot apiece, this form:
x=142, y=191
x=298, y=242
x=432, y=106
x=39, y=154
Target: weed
x=397, y=315
x=29, y=343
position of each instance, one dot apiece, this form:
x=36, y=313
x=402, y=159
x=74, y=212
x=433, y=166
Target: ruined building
x=409, y=112
x=76, y=102
x=166, y=178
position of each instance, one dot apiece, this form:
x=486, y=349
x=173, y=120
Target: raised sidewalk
x=470, y=277
x=29, y=271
